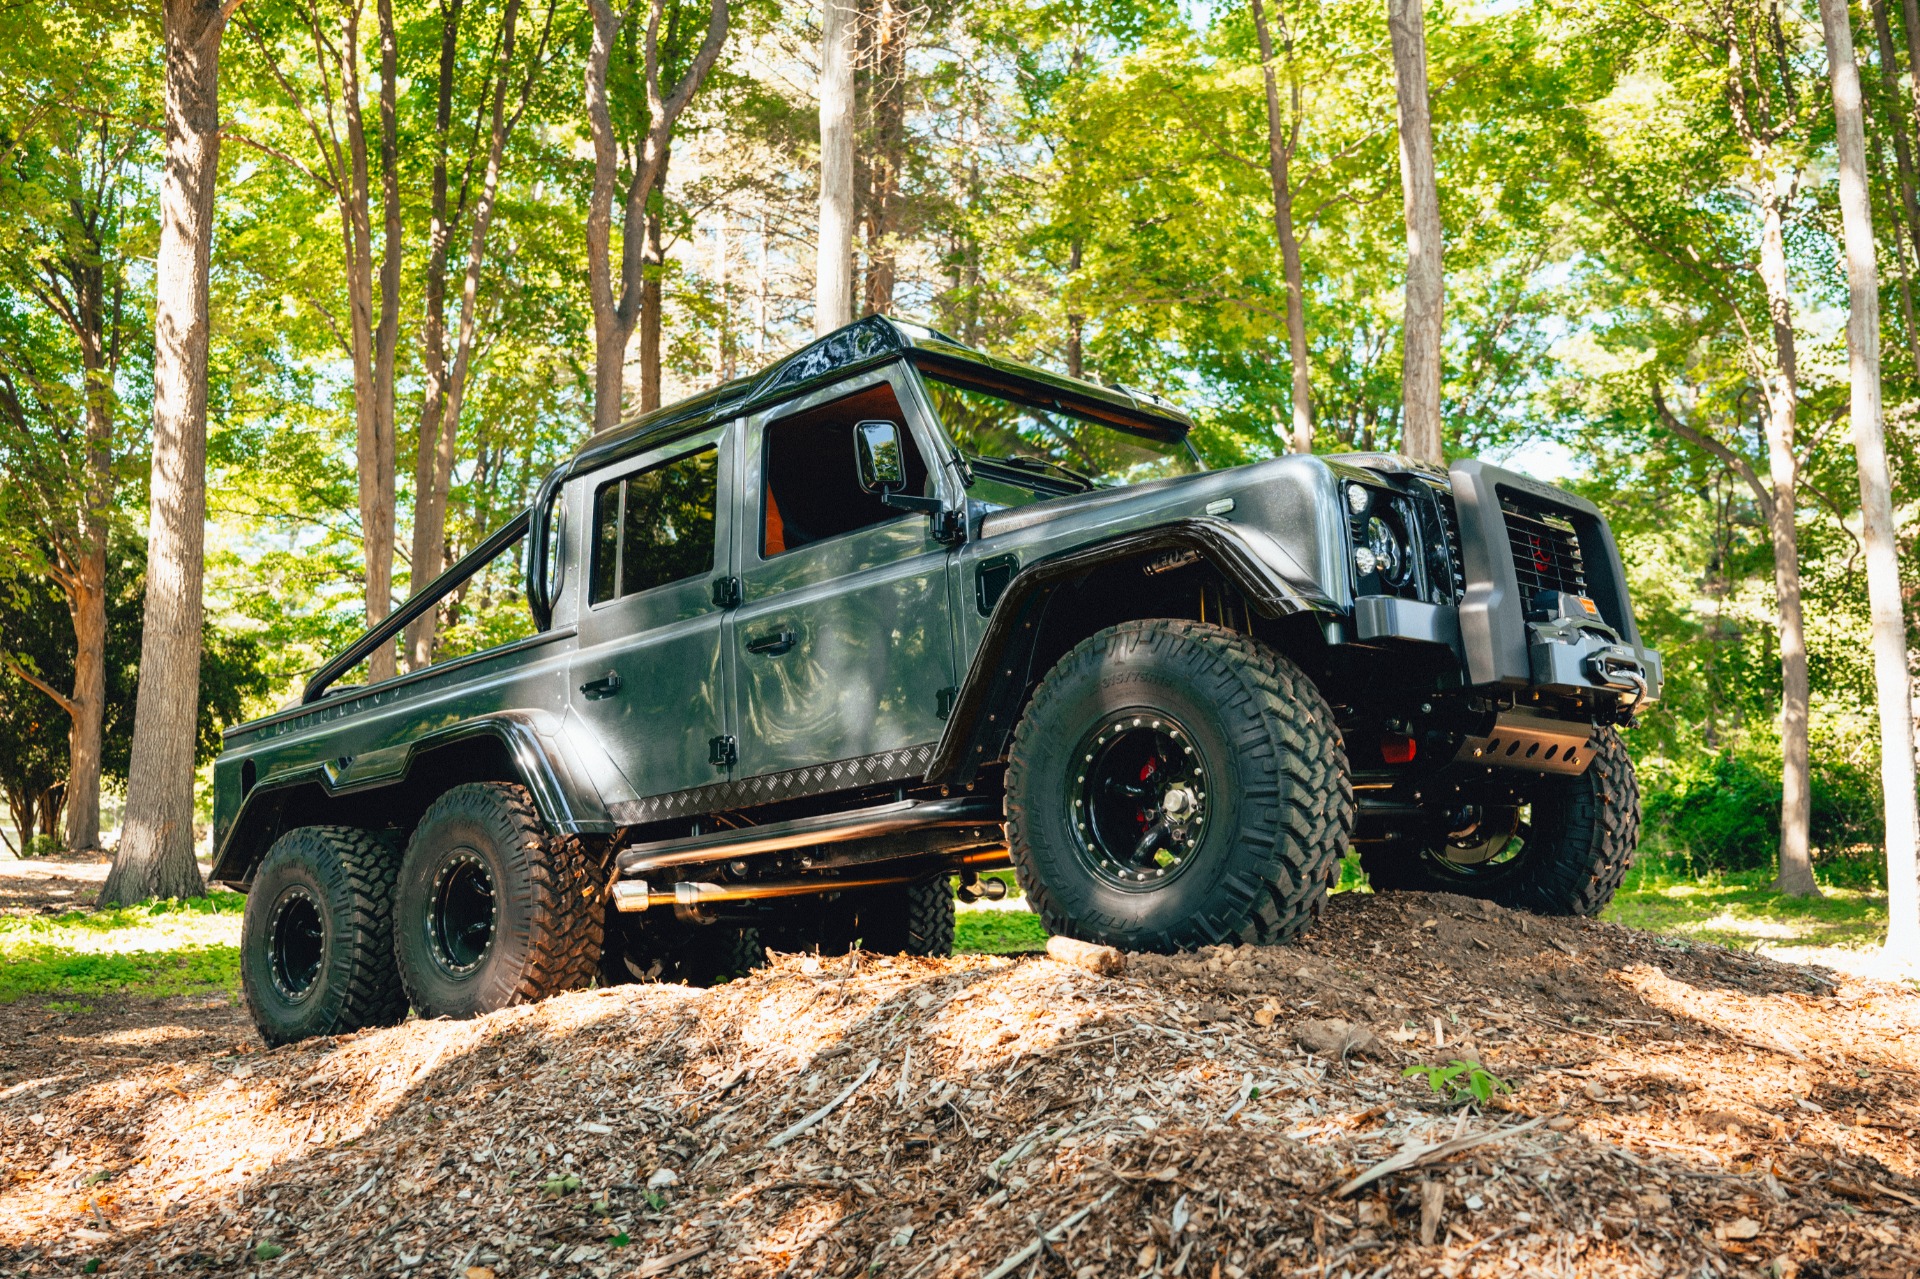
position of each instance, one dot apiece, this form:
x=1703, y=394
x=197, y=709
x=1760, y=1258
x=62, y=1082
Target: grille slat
x=1546, y=555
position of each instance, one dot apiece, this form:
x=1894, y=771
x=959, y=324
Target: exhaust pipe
x=636, y=894
x=630, y=895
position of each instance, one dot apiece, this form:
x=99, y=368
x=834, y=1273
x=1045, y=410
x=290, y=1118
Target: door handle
x=773, y=645
x=606, y=686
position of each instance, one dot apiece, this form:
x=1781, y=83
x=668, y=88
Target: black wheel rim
x=1480, y=844
x=1140, y=799
x=296, y=944
x=461, y=918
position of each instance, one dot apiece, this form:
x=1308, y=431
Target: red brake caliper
x=1147, y=770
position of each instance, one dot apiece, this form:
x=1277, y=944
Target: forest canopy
x=428, y=216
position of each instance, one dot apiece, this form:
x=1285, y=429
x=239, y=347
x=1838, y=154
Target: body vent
x=1546, y=555
x=1450, y=575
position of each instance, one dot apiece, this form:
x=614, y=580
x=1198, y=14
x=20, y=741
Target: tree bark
x=1426, y=287
x=1283, y=140
x=617, y=304
x=652, y=290
x=1896, y=118
x=1905, y=231
x=886, y=63
x=386, y=350
x=1893, y=684
x=446, y=389
x=833, y=270
x=1782, y=388
x=435, y=439
x=155, y=856
x=369, y=343
x=87, y=588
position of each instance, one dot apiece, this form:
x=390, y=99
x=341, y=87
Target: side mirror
x=876, y=449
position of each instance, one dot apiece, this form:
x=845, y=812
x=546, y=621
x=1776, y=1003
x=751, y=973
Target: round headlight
x=1389, y=551
x=1363, y=561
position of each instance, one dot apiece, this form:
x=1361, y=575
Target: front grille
x=1546, y=555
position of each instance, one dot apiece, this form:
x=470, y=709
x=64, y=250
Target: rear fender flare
x=567, y=801
x=990, y=697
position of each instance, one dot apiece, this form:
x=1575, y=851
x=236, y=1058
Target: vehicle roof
x=869, y=343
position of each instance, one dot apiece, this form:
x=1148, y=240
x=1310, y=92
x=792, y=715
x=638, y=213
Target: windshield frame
x=1097, y=407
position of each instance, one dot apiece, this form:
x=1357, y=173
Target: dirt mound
x=1674, y=1111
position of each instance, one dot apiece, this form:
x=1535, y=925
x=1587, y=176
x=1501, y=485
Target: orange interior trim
x=774, y=537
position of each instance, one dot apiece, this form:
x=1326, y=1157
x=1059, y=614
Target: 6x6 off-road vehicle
x=807, y=646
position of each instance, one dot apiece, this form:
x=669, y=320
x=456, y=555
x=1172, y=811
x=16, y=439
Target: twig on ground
x=814, y=1118
x=1054, y=1235
x=1414, y=1156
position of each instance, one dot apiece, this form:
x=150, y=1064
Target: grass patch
x=1739, y=909
x=39, y=969
x=152, y=951
x=997, y=932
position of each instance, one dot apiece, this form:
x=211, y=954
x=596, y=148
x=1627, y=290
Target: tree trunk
x=886, y=79
x=616, y=311
x=1076, y=322
x=155, y=857
x=1905, y=231
x=373, y=445
x=1282, y=142
x=612, y=322
x=833, y=278
x=1782, y=399
x=433, y=470
x=1426, y=287
x=1892, y=681
x=386, y=349
x=652, y=291
x=87, y=596
x=1896, y=118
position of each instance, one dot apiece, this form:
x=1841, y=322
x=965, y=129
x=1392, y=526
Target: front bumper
x=1490, y=631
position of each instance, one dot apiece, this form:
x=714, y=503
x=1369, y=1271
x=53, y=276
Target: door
x=842, y=646
x=650, y=675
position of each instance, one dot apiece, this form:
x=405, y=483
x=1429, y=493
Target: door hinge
x=726, y=592
x=943, y=701
x=723, y=751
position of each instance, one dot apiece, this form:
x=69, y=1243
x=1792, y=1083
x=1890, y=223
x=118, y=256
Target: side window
x=811, y=489
x=654, y=527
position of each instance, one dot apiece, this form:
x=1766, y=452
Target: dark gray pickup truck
x=807, y=646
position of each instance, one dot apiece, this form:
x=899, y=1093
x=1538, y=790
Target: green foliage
x=36, y=968
x=1722, y=813
x=1460, y=1082
x=560, y=1184
x=267, y=1251
x=998, y=932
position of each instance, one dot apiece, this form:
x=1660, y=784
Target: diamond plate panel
x=909, y=763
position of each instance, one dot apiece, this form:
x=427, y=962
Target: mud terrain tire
x=907, y=919
x=1237, y=726
x=491, y=909
x=639, y=948
x=1581, y=841
x=316, y=943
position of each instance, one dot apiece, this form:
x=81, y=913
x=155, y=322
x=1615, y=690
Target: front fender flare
x=990, y=697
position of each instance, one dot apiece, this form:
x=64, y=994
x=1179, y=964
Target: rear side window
x=654, y=527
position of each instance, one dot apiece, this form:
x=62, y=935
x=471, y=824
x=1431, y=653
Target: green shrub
x=40, y=846
x=1721, y=814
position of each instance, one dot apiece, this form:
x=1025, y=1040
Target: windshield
x=1022, y=451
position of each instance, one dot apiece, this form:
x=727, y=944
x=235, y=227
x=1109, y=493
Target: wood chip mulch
x=1676, y=1110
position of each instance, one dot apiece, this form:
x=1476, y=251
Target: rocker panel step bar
x=802, y=832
